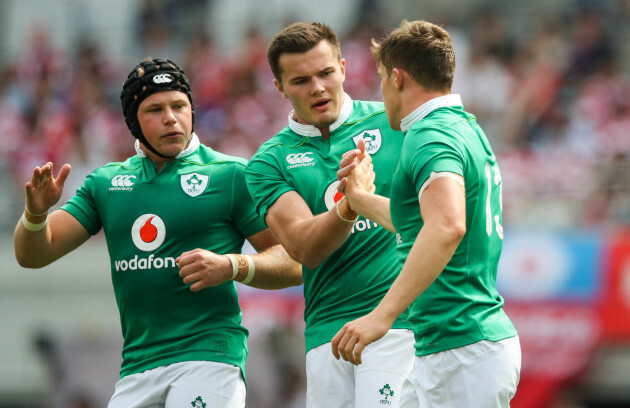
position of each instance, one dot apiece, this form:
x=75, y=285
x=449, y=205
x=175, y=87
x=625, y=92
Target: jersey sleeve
x=246, y=219
x=265, y=183
x=433, y=152
x=82, y=206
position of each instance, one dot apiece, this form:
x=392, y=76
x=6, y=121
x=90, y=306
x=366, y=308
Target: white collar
x=428, y=107
x=312, y=131
x=192, y=146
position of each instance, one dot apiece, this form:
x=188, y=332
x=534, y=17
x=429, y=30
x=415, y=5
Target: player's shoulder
x=370, y=115
x=131, y=164
x=448, y=117
x=207, y=157
x=284, y=140
x=436, y=134
x=115, y=173
x=363, y=110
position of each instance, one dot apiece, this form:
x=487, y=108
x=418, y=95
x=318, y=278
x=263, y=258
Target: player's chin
x=172, y=149
x=324, y=121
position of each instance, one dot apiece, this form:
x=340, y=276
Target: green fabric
x=463, y=305
x=352, y=281
x=163, y=322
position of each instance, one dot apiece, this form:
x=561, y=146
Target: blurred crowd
x=554, y=102
x=556, y=108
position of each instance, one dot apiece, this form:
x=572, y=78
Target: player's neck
x=160, y=162
x=413, y=100
x=325, y=131
x=155, y=159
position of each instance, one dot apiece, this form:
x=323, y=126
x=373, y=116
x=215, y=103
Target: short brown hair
x=423, y=49
x=298, y=38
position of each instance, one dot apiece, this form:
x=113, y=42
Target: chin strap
x=146, y=144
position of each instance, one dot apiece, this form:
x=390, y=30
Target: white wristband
x=234, y=265
x=339, y=214
x=35, y=215
x=32, y=226
x=251, y=271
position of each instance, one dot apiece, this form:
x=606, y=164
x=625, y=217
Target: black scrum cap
x=147, y=78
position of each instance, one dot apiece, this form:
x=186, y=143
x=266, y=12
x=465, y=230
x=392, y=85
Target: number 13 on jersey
x=493, y=177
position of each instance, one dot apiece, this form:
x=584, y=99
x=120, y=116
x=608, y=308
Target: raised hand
x=203, y=269
x=44, y=190
x=356, y=172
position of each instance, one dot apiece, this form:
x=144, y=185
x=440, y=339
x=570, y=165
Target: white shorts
x=187, y=384
x=383, y=379
x=482, y=374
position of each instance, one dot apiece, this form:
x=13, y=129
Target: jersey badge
x=194, y=184
x=372, y=139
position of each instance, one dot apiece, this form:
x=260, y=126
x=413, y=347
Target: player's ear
x=343, y=68
x=280, y=88
x=399, y=79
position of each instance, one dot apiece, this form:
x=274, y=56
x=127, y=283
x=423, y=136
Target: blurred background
x=548, y=80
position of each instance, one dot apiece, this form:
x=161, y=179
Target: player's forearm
x=61, y=234
x=373, y=207
x=275, y=269
x=309, y=238
x=32, y=245
x=311, y=241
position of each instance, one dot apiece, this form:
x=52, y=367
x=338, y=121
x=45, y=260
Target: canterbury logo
x=299, y=158
x=123, y=181
x=162, y=79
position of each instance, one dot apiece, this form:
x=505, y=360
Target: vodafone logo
x=148, y=232
x=332, y=195
x=163, y=79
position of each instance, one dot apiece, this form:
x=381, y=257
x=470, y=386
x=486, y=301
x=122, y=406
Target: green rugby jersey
x=351, y=281
x=199, y=200
x=463, y=305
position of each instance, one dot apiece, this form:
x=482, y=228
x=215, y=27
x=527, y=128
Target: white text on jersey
x=362, y=225
x=122, y=182
x=300, y=160
x=144, y=263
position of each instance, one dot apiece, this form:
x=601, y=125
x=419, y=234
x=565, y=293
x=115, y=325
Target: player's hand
x=203, y=269
x=44, y=191
x=349, y=160
x=356, y=172
x=354, y=336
